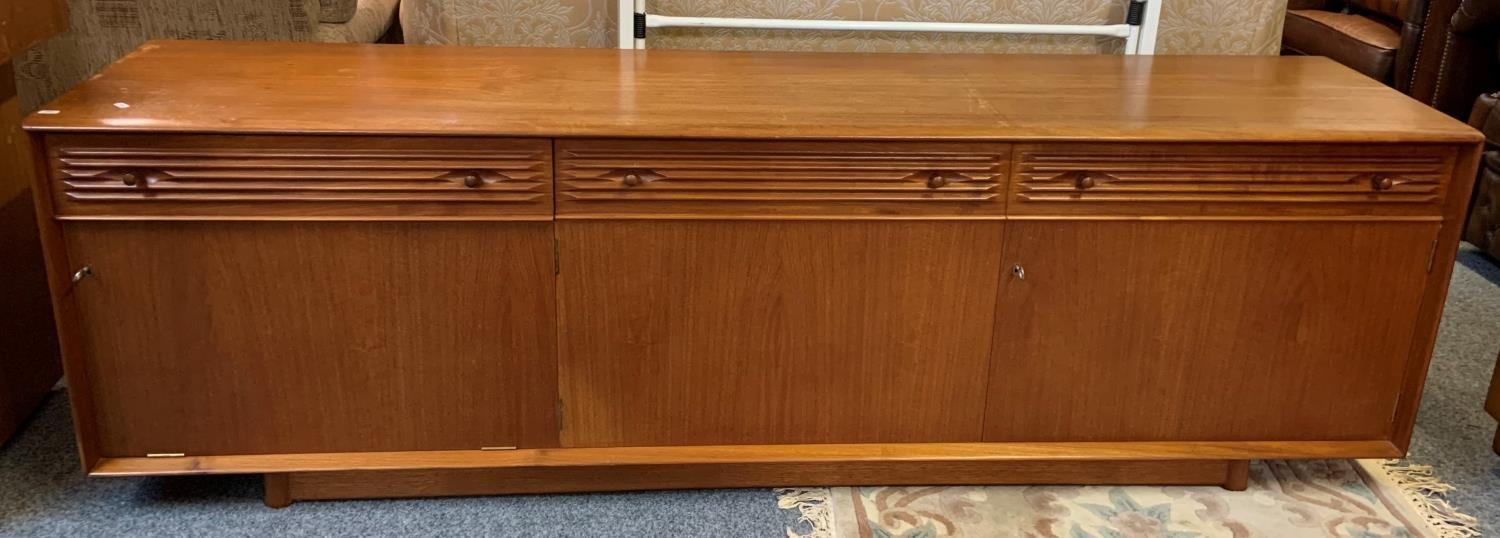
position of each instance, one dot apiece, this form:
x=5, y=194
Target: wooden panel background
x=249, y=338
x=1169, y=331
x=712, y=332
x=24, y=23
x=29, y=362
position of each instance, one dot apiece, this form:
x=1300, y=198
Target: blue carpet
x=1453, y=432
x=43, y=493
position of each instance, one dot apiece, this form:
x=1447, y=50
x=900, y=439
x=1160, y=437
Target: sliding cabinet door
x=1204, y=330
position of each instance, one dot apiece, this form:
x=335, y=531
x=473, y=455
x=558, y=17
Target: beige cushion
x=369, y=23
x=1188, y=26
x=337, y=11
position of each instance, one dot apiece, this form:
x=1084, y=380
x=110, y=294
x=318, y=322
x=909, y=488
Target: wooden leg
x=1238, y=478
x=278, y=490
x=397, y=483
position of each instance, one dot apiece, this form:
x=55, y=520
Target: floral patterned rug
x=1340, y=498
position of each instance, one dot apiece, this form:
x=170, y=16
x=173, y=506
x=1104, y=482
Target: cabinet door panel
x=714, y=332
x=246, y=338
x=1204, y=331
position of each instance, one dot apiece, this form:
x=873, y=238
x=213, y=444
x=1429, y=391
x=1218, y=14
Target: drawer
x=103, y=176
x=1107, y=180
x=745, y=179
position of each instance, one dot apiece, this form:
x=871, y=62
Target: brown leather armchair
x=1470, y=59
x=1457, y=57
x=1375, y=37
x=1441, y=52
x=1473, y=58
x=1476, y=24
x=1484, y=215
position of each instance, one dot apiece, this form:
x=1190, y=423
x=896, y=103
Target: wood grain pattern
x=245, y=177
x=1207, y=331
x=27, y=22
x=1237, y=479
x=568, y=93
x=1194, y=180
x=706, y=332
x=278, y=490
x=29, y=363
x=768, y=454
x=65, y=312
x=729, y=179
x=251, y=338
x=768, y=264
x=29, y=355
x=434, y=483
x=1435, y=292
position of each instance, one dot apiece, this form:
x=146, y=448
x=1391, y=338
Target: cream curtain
x=1188, y=26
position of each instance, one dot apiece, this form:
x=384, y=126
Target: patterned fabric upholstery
x=369, y=22
x=337, y=11
x=1188, y=26
x=103, y=30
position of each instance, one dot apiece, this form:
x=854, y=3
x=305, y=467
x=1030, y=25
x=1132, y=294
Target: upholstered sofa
x=1472, y=54
x=1457, y=58
x=102, y=31
x=1376, y=37
x=1188, y=26
x=1441, y=52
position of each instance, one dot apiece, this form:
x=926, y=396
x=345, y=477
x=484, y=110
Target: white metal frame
x=1139, y=38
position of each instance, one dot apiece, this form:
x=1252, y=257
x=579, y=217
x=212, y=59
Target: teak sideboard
x=379, y=271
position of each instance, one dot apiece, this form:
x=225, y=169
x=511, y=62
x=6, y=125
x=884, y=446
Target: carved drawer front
x=249, y=177
x=740, y=179
x=1201, y=179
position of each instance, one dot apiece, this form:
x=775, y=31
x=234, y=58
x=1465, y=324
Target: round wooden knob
x=1383, y=183
x=473, y=181
x=131, y=179
x=632, y=180
x=1085, y=181
x=936, y=181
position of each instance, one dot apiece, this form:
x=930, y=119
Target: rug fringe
x=814, y=505
x=1426, y=492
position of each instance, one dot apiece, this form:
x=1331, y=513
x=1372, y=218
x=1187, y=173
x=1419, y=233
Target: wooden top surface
x=244, y=87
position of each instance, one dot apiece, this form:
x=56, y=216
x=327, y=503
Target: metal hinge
x=640, y=25
x=166, y=455
x=490, y=448
x=1432, y=256
x=556, y=257
x=1136, y=13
